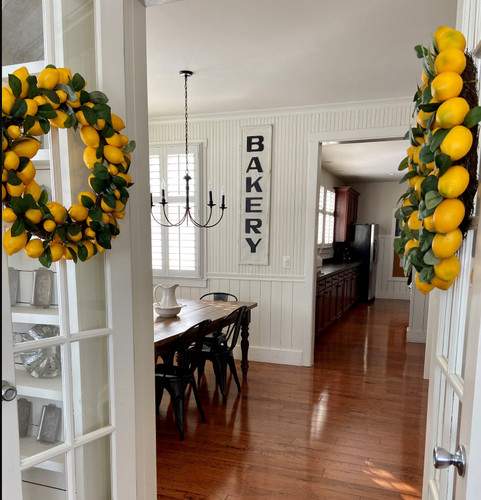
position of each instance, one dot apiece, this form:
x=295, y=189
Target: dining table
x=168, y=329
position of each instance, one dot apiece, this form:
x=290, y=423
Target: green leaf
x=442, y=162
x=46, y=258
x=407, y=176
x=52, y=95
x=89, y=115
x=407, y=265
x=15, y=85
x=29, y=202
x=423, y=211
x=430, y=259
x=426, y=275
x=104, y=237
x=420, y=51
x=71, y=120
x=473, y=117
x=18, y=227
x=103, y=111
x=73, y=254
x=72, y=96
x=98, y=97
x=28, y=123
x=43, y=197
x=109, y=200
x=24, y=161
x=425, y=154
x=19, y=108
x=84, y=97
x=425, y=240
x=430, y=183
x=430, y=106
x=86, y=201
x=402, y=166
x=32, y=87
x=101, y=172
x=16, y=204
x=131, y=147
x=61, y=233
x=44, y=125
x=417, y=259
x=96, y=214
x=13, y=179
x=108, y=130
x=82, y=252
x=438, y=138
x=399, y=244
x=433, y=199
x=73, y=229
x=46, y=111
x=427, y=95
x=78, y=82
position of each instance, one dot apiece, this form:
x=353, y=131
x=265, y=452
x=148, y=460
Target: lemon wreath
x=44, y=228
x=441, y=163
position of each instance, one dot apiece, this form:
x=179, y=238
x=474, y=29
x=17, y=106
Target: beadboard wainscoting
x=388, y=287
x=282, y=328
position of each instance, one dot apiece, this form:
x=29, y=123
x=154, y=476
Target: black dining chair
x=219, y=296
x=177, y=372
x=219, y=347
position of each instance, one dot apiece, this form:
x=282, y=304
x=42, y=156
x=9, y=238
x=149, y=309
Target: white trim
x=297, y=110
x=187, y=282
x=418, y=336
x=256, y=277
x=271, y=355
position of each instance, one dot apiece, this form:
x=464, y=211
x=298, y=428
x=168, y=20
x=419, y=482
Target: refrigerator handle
x=374, y=257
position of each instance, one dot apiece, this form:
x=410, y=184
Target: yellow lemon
x=126, y=177
x=411, y=244
x=445, y=245
x=424, y=288
x=458, y=142
x=422, y=118
x=17, y=190
x=442, y=285
x=47, y=78
x=451, y=39
x=22, y=74
x=446, y=85
x=119, y=215
x=453, y=182
x=64, y=74
x=66, y=252
x=8, y=100
x=40, y=100
x=89, y=136
x=448, y=268
x=113, y=170
x=57, y=250
x=11, y=161
x=49, y=225
x=450, y=60
x=106, y=207
x=62, y=95
x=14, y=244
x=428, y=222
x=114, y=140
x=76, y=237
x=452, y=112
x=78, y=212
x=407, y=203
x=27, y=147
x=417, y=186
x=89, y=232
x=14, y=132
x=35, y=129
x=34, y=248
x=113, y=154
x=117, y=122
x=4, y=143
x=413, y=221
x=89, y=246
x=4, y=192
x=27, y=174
x=90, y=157
x=412, y=181
x=8, y=215
x=76, y=102
x=439, y=32
x=448, y=215
x=34, y=215
x=59, y=122
x=58, y=211
x=34, y=190
x=32, y=108
x=124, y=139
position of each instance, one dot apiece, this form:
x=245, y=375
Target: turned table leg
x=245, y=343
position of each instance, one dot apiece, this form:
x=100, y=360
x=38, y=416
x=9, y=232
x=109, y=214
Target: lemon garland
x=441, y=163
x=45, y=229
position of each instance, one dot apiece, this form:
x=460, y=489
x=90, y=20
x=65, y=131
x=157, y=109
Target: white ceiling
x=266, y=54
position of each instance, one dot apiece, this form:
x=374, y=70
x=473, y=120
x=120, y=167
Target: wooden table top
x=194, y=311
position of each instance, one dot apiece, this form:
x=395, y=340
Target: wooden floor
x=351, y=427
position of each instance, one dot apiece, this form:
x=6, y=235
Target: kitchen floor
x=350, y=427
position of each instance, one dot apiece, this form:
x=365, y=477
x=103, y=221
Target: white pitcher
x=168, y=299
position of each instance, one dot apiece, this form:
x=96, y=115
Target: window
x=325, y=222
x=175, y=250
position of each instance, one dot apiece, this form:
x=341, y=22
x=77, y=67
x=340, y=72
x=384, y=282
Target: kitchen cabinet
x=345, y=212
x=337, y=291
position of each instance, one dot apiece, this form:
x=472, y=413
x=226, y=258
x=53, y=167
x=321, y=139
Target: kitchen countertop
x=328, y=269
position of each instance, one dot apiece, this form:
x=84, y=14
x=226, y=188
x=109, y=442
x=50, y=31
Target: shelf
x=29, y=446
x=34, y=315
x=45, y=388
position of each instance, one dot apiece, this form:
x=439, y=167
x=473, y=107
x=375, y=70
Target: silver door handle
x=442, y=459
x=9, y=392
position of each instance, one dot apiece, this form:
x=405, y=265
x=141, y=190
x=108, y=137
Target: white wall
x=377, y=203
x=282, y=325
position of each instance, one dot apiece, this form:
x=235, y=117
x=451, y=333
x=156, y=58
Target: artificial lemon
x=34, y=215
x=428, y=222
x=90, y=157
x=15, y=189
x=27, y=147
x=451, y=39
x=14, y=244
x=89, y=136
x=452, y=112
x=453, y=182
x=78, y=212
x=27, y=174
x=413, y=221
x=8, y=100
x=448, y=215
x=47, y=78
x=423, y=287
x=64, y=75
x=448, y=268
x=117, y=123
x=457, y=143
x=445, y=245
x=49, y=225
x=58, y=211
x=56, y=249
x=8, y=215
x=88, y=194
x=441, y=284
x=22, y=74
x=439, y=32
x=67, y=253
x=446, y=85
x=34, y=248
x=411, y=244
x=14, y=132
x=11, y=161
x=450, y=60
x=33, y=189
x=113, y=154
x=59, y=122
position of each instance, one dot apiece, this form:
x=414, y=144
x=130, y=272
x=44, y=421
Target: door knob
x=442, y=459
x=9, y=393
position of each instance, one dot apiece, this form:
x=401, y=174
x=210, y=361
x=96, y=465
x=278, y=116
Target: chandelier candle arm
x=187, y=215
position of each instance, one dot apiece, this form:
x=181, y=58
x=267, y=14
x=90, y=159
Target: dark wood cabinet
x=345, y=212
x=336, y=293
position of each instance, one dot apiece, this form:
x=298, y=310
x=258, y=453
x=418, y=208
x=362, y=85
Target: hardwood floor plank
x=350, y=427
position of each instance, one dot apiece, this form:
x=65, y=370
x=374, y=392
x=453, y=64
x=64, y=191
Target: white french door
x=67, y=333
x=454, y=403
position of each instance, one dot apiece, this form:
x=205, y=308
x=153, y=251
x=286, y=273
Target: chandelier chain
x=186, y=127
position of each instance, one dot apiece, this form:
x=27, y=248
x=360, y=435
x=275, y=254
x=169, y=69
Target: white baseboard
x=270, y=355
x=418, y=336
x=393, y=296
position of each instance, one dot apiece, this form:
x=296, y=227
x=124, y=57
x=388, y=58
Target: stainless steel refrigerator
x=364, y=246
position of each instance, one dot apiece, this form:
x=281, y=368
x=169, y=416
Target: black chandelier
x=187, y=215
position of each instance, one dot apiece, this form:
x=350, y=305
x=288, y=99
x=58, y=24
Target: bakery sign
x=255, y=196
